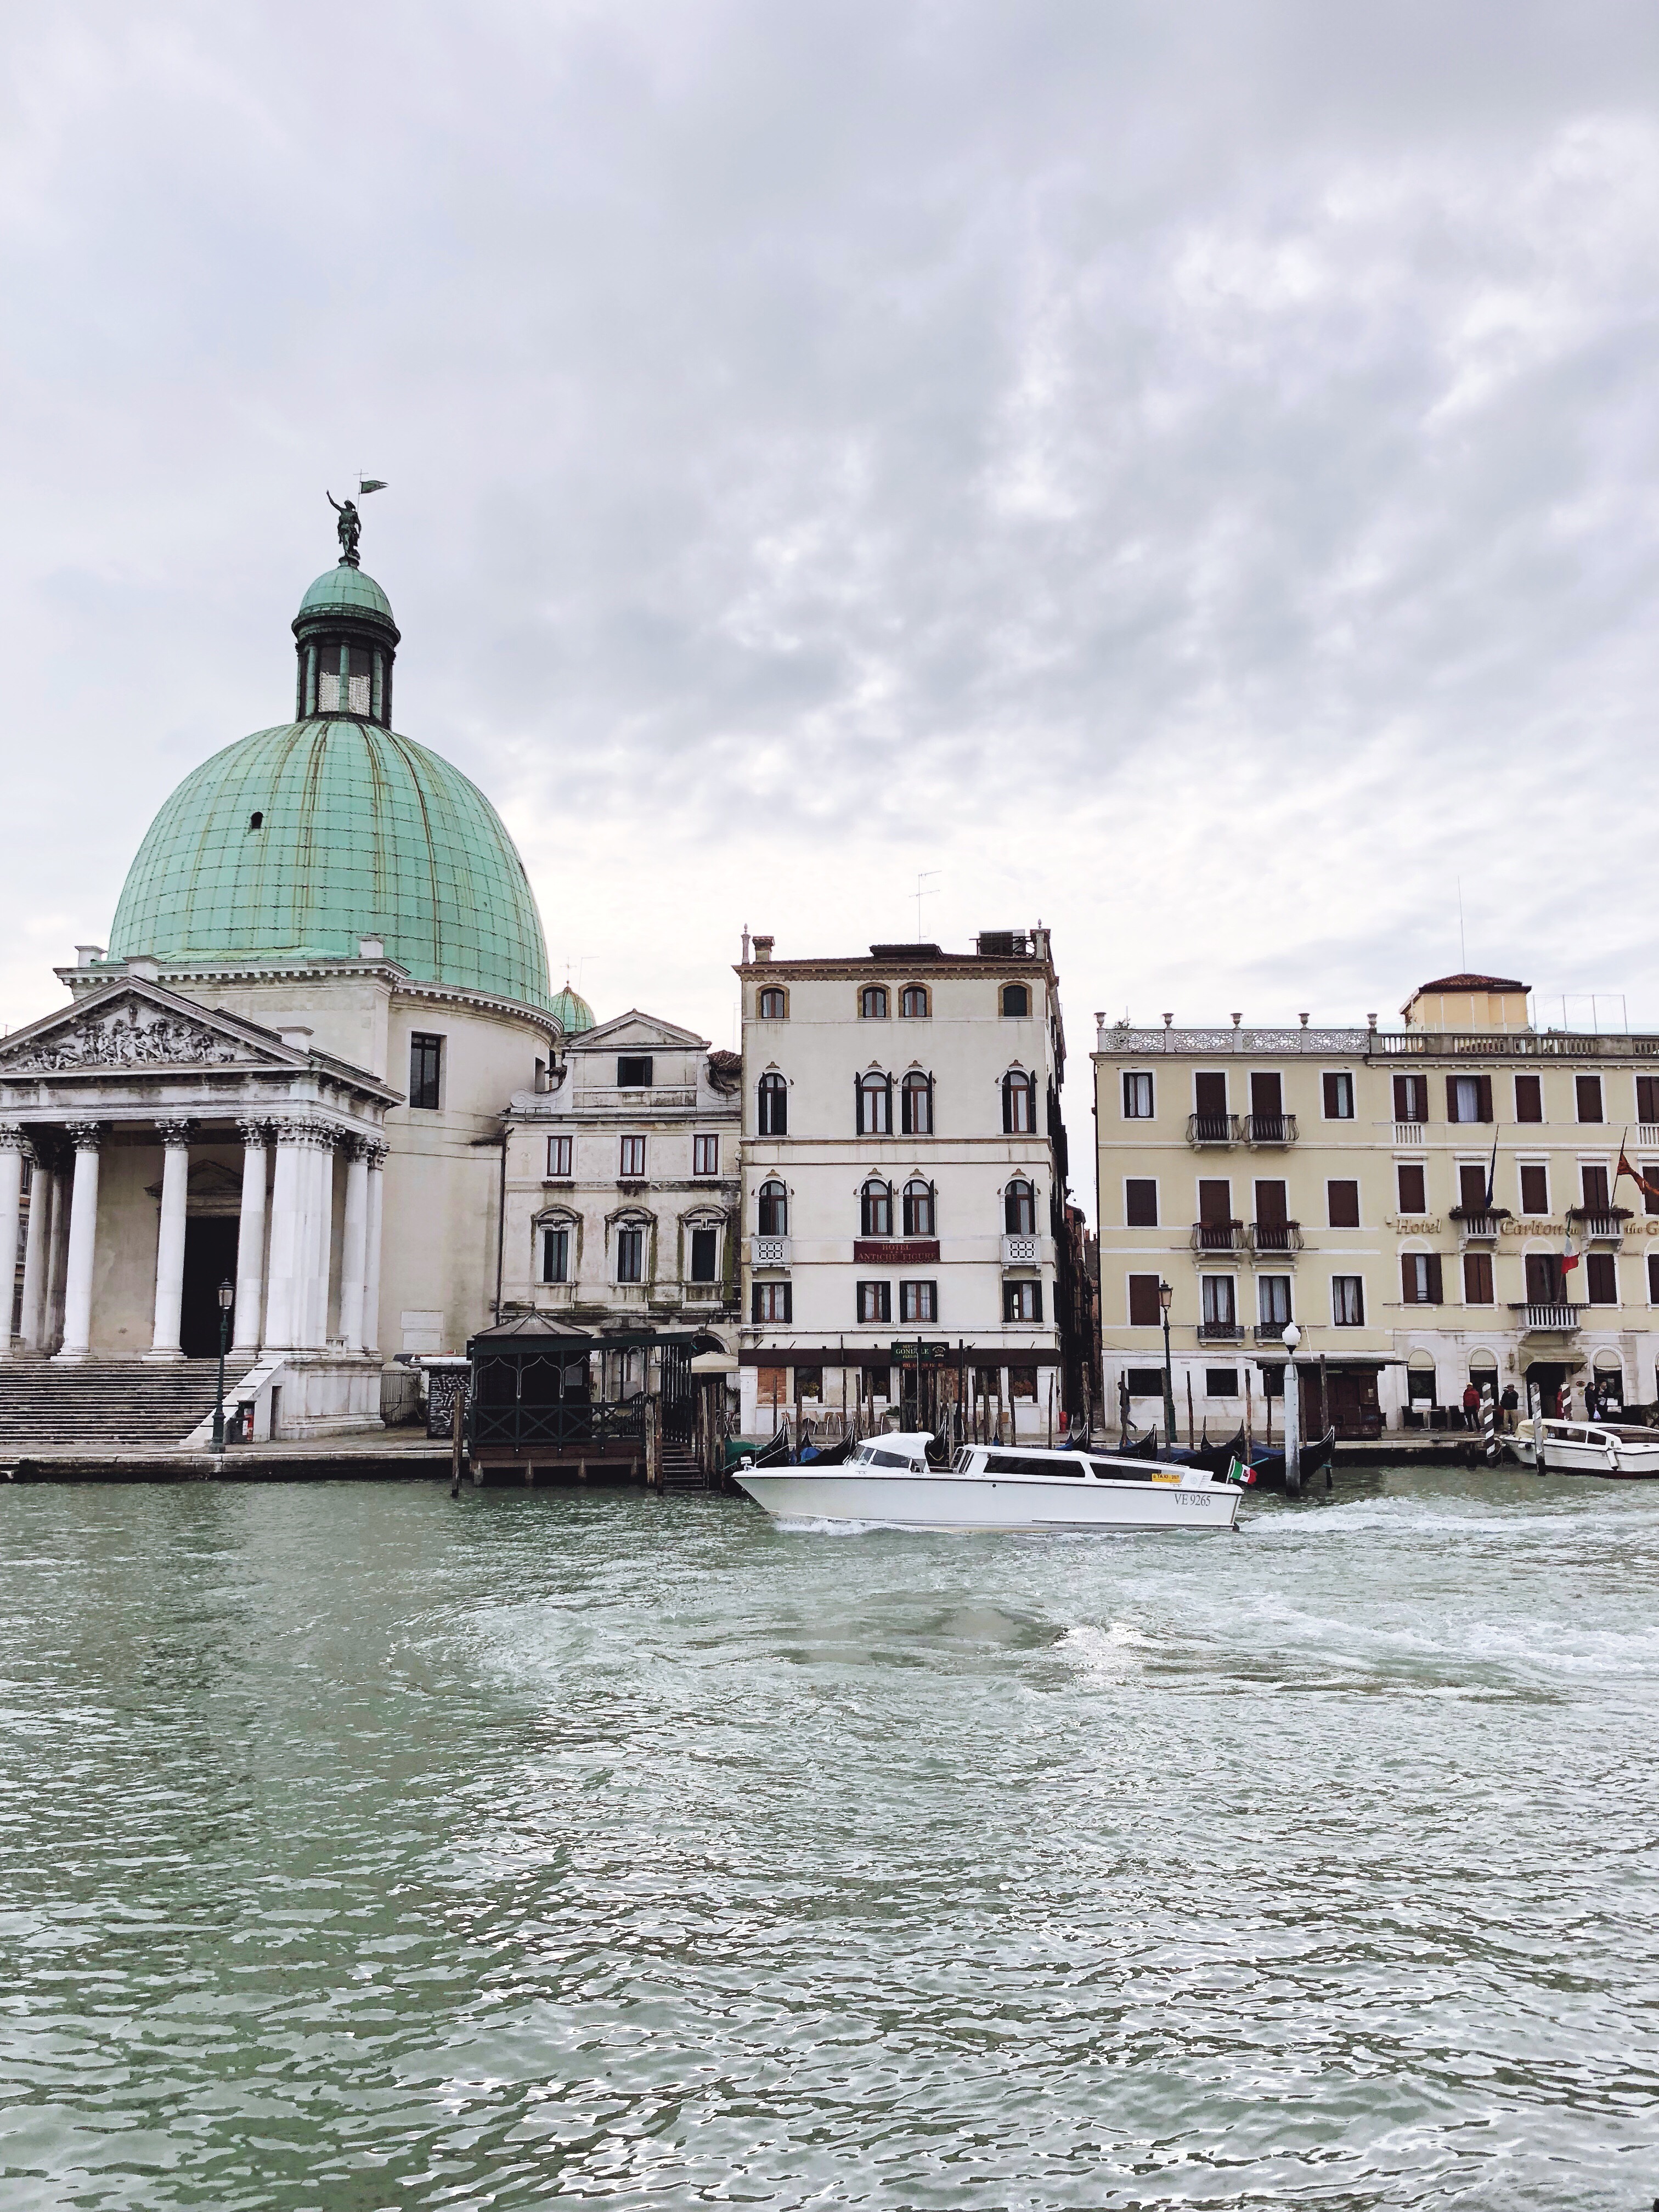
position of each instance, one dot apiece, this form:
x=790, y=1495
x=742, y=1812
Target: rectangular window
x=1140, y=1203
x=632, y=1168
x=1273, y=1301
x=1144, y=1311
x=875, y=1106
x=1477, y=1278
x=773, y=1386
x=1272, y=1204
x=630, y=1255
x=1534, y=1188
x=1468, y=1098
x=1342, y=1204
x=559, y=1152
x=1338, y=1096
x=1653, y=1278
x=1021, y=1383
x=1420, y=1385
x=1215, y=1203
x=1594, y=1180
x=1647, y=1099
x=633, y=1073
x=426, y=1059
x=1413, y=1190
x=1411, y=1098
x=555, y=1255
x=1221, y=1381
x=1137, y=1097
x=918, y=1301
x=1210, y=1096
x=705, y=1251
x=1472, y=1187
x=1348, y=1301
x=1219, y=1307
x=1419, y=1279
x=1022, y=1302
x=875, y=1302
x=772, y=1301
x=705, y=1155
x=1586, y=1090
x=1545, y=1281
x=1529, y=1097
x=1267, y=1098
x=1143, y=1382
x=1601, y=1279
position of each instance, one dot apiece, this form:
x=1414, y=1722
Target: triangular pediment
x=208, y=1180
x=132, y=1026
x=636, y=1031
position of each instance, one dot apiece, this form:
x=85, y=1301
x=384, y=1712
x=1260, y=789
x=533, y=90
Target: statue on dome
x=349, y=527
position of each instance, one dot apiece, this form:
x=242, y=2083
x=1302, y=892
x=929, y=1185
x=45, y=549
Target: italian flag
x=1569, y=1258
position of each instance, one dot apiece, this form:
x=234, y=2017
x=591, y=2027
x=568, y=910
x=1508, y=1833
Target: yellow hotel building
x=1406, y=1196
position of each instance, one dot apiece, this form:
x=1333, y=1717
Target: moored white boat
x=887, y=1481
x=1589, y=1448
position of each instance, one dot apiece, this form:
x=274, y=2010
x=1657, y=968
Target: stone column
x=13, y=1146
x=376, y=1165
x=170, y=1240
x=87, y=1137
x=57, y=1248
x=287, y=1224
x=251, y=1236
x=35, y=1254
x=320, y=1243
x=354, y=1246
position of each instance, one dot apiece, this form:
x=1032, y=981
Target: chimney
x=764, y=947
x=86, y=954
x=371, y=948
x=1040, y=942
x=295, y=1036
x=140, y=963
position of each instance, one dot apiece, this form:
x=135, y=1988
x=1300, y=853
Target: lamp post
x=226, y=1299
x=1164, y=1295
x=1290, y=1338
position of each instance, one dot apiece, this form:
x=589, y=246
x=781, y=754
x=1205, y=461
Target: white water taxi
x=887, y=1481
x=1589, y=1448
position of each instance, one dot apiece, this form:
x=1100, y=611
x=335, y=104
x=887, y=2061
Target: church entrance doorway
x=210, y=1260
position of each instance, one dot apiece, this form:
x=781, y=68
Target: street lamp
x=226, y=1299
x=1290, y=1338
x=1164, y=1295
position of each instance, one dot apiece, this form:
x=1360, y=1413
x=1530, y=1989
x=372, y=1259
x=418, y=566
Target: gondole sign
x=916, y=1350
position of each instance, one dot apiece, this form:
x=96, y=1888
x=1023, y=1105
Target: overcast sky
x=1184, y=473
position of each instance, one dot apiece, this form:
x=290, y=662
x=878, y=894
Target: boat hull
x=1012, y=1503
x=1575, y=1448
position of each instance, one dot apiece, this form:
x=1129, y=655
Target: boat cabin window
x=1002, y=1462
x=896, y=1459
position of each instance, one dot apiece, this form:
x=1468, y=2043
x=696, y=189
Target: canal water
x=365, y=1849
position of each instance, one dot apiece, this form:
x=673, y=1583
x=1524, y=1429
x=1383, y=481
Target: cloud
x=1185, y=474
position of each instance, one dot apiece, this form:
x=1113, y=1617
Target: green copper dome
x=346, y=590
x=573, y=1010
x=296, y=841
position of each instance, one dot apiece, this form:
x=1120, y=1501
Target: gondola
x=774, y=1452
x=1266, y=1468
x=824, y=1455
x=1143, y=1448
x=1216, y=1459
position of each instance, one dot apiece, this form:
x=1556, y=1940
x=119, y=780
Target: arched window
x=1019, y=1208
x=774, y=1209
x=1018, y=1103
x=876, y=1209
x=774, y=1106
x=919, y=1208
x=1016, y=1000
x=916, y=1101
x=773, y=1005
x=875, y=1105
x=913, y=1003
x=873, y=1002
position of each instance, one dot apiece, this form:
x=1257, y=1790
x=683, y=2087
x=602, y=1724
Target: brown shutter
x=1215, y=1204
x=1485, y=1081
x=1145, y=1312
x=1407, y=1278
x=1210, y=1094
x=1529, y=1097
x=1436, y=1289
x=1413, y=1196
x=1451, y=1097
x=1271, y=1209
x=1402, y=1110
x=1647, y=1099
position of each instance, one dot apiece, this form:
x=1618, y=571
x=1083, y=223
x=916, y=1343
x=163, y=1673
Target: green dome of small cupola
x=573, y=1010
x=299, y=840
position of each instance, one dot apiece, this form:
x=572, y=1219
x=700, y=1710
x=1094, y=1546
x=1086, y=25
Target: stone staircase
x=680, y=1471
x=103, y=1402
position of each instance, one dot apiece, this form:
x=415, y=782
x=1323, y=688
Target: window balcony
x=1275, y=1238
x=1548, y=1320
x=1410, y=1133
x=1022, y=1254
x=769, y=1251
x=1217, y=1236
x=1214, y=1129
x=1220, y=1331
x=1270, y=1128
x=1481, y=1230
x=1272, y=1332
x=1647, y=1133
x=1606, y=1229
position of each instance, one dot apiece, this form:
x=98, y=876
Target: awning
x=714, y=1363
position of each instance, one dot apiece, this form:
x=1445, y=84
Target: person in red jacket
x=1471, y=1406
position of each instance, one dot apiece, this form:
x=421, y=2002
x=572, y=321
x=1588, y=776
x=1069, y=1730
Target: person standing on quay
x=1509, y=1405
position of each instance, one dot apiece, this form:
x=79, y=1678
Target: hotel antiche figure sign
x=886, y=1252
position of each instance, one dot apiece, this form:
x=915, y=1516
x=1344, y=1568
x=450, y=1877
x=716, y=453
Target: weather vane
x=350, y=526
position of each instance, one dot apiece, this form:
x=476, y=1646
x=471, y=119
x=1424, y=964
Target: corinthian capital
x=176, y=1135
x=85, y=1136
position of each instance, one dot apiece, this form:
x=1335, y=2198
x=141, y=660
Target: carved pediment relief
x=132, y=1032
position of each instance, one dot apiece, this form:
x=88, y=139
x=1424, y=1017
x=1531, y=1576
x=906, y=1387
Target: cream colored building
x=1340, y=1178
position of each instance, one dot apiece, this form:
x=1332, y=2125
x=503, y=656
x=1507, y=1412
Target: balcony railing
x=1220, y=1331
x=768, y=1252
x=1607, y=1227
x=1214, y=1129
x=1217, y=1235
x=1270, y=1128
x=1275, y=1236
x=1020, y=1251
x=1480, y=1228
x=1549, y=1320
x=1271, y=1332
x=1647, y=1133
x=1410, y=1133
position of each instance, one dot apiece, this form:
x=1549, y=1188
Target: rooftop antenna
x=921, y=878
